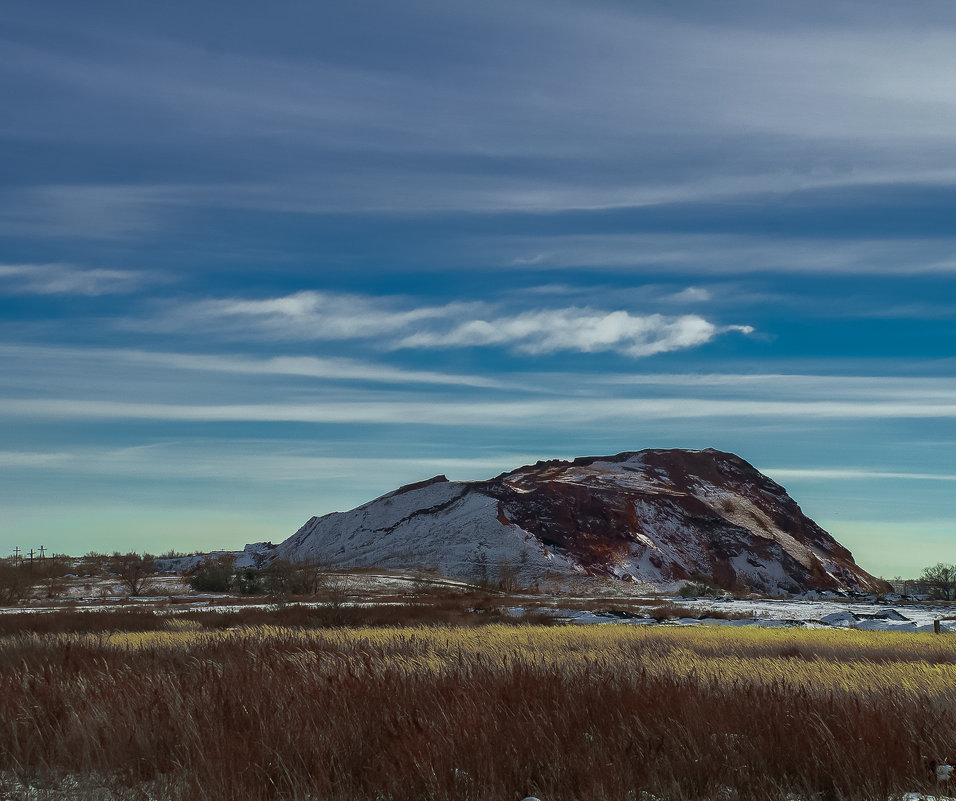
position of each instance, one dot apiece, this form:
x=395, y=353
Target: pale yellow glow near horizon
x=153, y=531
x=894, y=548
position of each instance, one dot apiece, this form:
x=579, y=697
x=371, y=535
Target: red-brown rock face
x=668, y=514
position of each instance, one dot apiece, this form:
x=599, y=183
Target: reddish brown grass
x=282, y=715
x=464, y=609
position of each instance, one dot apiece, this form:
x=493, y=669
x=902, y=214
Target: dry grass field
x=473, y=713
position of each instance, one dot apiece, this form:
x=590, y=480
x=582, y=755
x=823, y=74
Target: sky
x=263, y=264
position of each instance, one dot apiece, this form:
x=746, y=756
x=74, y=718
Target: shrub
x=249, y=581
x=283, y=577
x=701, y=586
x=92, y=563
x=213, y=575
x=51, y=574
x=16, y=582
x=135, y=571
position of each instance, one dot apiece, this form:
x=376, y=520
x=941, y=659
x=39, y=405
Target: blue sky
x=259, y=266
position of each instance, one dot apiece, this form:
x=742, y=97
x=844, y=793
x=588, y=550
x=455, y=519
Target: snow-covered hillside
x=657, y=517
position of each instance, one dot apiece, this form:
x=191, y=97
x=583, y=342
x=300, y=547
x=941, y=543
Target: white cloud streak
x=484, y=414
x=797, y=385
x=309, y=315
x=710, y=254
x=253, y=461
x=326, y=368
x=580, y=330
x=826, y=81
x=65, y=279
x=850, y=474
x=657, y=109
x=692, y=294
x=34, y=459
x=316, y=315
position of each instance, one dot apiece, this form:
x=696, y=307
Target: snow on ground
x=837, y=613
x=921, y=797
x=171, y=594
x=865, y=614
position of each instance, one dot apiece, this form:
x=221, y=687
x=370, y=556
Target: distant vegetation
x=701, y=586
x=280, y=578
x=940, y=579
x=135, y=574
x=492, y=713
x=450, y=608
x=19, y=579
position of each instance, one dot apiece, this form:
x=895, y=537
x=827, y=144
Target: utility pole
x=16, y=556
x=31, y=559
x=42, y=549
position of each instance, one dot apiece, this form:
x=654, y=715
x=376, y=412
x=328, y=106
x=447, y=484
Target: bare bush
x=135, y=571
x=93, y=563
x=285, y=578
x=16, y=582
x=508, y=574
x=51, y=575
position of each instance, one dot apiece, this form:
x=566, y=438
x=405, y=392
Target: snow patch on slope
x=446, y=527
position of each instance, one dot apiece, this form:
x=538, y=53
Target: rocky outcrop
x=654, y=516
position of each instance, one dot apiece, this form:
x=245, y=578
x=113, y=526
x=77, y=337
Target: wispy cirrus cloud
x=729, y=254
x=316, y=315
x=28, y=459
x=487, y=414
x=577, y=329
x=851, y=474
x=311, y=315
x=251, y=460
x=751, y=104
x=53, y=360
x=66, y=279
x=263, y=461
x=692, y=294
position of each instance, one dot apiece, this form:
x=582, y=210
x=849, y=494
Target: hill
x=653, y=516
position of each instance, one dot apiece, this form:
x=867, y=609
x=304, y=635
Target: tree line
x=136, y=574
x=281, y=577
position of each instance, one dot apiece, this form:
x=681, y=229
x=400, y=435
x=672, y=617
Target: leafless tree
x=16, y=581
x=335, y=589
x=508, y=576
x=52, y=574
x=134, y=570
x=297, y=578
x=941, y=580
x=93, y=563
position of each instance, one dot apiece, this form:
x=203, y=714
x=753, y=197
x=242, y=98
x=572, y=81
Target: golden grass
x=858, y=662
x=603, y=712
